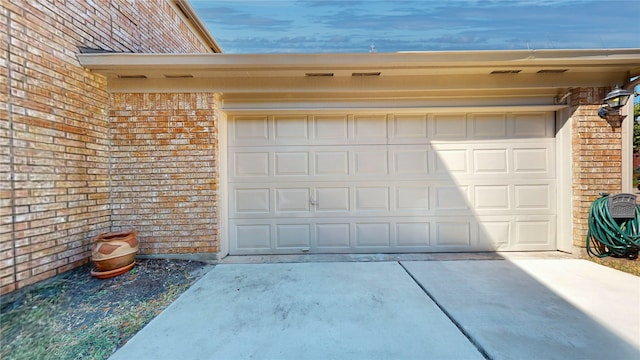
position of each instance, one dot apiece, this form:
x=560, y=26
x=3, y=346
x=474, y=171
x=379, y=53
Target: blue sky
x=354, y=26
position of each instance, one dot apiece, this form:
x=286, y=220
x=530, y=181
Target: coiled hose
x=612, y=237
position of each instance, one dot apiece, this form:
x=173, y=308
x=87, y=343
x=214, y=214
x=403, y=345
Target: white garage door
x=391, y=183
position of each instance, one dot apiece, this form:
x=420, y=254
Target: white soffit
x=417, y=72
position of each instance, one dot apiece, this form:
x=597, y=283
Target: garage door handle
x=312, y=201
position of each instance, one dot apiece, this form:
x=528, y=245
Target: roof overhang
x=406, y=75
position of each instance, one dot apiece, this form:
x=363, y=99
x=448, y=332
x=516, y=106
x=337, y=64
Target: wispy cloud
x=267, y=26
x=231, y=18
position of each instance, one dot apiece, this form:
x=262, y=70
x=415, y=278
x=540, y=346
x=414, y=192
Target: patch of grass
x=626, y=265
x=110, y=333
x=31, y=326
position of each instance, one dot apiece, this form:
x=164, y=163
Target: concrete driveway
x=516, y=308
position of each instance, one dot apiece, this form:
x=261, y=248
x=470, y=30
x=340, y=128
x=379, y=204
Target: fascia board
x=266, y=62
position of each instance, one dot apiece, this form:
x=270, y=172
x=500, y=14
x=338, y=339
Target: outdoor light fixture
x=614, y=100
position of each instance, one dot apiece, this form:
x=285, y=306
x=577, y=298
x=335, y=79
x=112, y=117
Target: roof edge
x=629, y=57
x=192, y=17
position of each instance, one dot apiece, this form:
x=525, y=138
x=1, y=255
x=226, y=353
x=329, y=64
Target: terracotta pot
x=119, y=236
x=114, y=250
x=112, y=273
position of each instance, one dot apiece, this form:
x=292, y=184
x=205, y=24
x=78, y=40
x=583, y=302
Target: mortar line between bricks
x=477, y=345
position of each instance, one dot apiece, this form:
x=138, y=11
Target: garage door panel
x=412, y=198
x=369, y=199
x=408, y=162
x=331, y=129
x=250, y=164
x=331, y=163
x=291, y=164
x=491, y=197
x=249, y=130
x=412, y=234
x=494, y=233
x=452, y=233
x=372, y=235
x=533, y=125
x=292, y=200
x=530, y=197
x=252, y=237
x=534, y=233
x=370, y=129
x=252, y=201
x=392, y=183
x=448, y=197
x=291, y=129
x=334, y=199
x=293, y=236
x=371, y=162
x=449, y=127
x=492, y=126
x=492, y=161
x=533, y=160
x=335, y=235
x=409, y=129
x=451, y=161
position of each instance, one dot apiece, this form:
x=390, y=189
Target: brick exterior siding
x=54, y=133
x=596, y=154
x=164, y=171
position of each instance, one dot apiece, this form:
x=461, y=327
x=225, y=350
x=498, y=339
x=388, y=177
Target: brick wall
x=6, y=194
x=597, y=157
x=164, y=171
x=54, y=132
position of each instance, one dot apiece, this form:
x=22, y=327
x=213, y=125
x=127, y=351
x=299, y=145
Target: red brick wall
x=164, y=171
x=597, y=157
x=54, y=132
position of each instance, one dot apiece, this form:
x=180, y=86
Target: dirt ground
x=77, y=316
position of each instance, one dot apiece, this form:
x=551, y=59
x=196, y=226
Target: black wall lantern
x=614, y=100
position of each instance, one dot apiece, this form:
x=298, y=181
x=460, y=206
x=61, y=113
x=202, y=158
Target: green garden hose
x=612, y=237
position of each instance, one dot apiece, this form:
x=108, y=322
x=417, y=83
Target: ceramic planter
x=112, y=273
x=114, y=251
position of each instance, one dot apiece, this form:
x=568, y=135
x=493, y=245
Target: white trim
x=620, y=59
x=396, y=110
x=223, y=199
x=564, y=210
x=627, y=148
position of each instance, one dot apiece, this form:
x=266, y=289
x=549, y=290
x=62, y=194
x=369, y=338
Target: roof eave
x=464, y=59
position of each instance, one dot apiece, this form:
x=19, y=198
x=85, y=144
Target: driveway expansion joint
x=477, y=345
